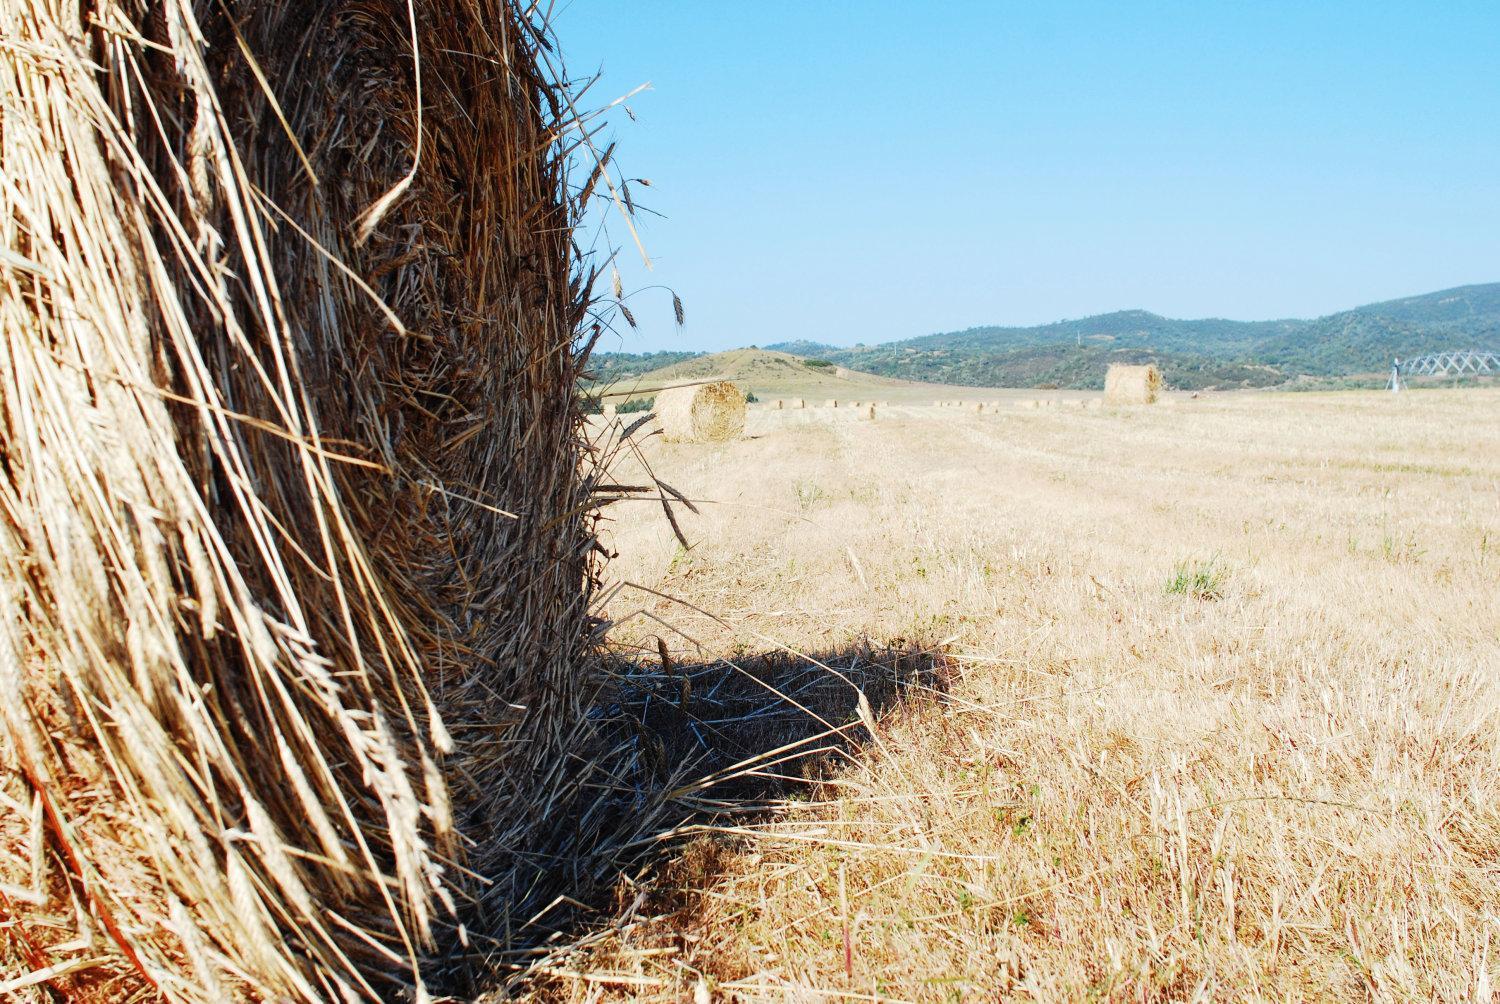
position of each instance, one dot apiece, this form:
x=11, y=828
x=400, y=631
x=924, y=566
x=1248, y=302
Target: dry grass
x=1220, y=722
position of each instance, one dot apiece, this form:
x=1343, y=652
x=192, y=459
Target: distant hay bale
x=1094, y=403
x=1132, y=384
x=295, y=523
x=801, y=403
x=1026, y=405
x=979, y=407
x=870, y=412
x=831, y=403
x=611, y=409
x=706, y=413
x=780, y=404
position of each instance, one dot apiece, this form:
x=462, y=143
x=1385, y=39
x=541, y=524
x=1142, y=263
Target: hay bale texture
x=1132, y=384
x=293, y=536
x=706, y=413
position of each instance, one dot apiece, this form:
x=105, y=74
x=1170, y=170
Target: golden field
x=1209, y=706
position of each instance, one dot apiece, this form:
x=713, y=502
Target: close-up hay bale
x=705, y=413
x=1132, y=384
x=295, y=530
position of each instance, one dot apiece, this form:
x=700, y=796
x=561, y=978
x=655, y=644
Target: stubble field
x=1204, y=706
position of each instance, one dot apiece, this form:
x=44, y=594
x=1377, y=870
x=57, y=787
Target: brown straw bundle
x=1132, y=384
x=703, y=413
x=294, y=547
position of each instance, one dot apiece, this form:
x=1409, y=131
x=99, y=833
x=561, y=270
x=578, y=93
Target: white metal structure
x=1451, y=363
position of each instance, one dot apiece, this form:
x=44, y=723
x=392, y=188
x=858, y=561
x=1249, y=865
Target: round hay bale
x=611, y=409
x=870, y=412
x=780, y=404
x=706, y=413
x=263, y=594
x=801, y=403
x=831, y=404
x=1132, y=384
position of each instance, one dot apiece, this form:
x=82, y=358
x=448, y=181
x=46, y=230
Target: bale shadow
x=690, y=744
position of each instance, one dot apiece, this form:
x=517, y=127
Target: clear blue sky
x=866, y=171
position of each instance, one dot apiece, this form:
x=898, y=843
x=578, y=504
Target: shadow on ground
x=694, y=745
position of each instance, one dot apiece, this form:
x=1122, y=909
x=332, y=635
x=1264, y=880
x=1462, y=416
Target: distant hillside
x=619, y=367
x=768, y=375
x=1192, y=353
x=803, y=347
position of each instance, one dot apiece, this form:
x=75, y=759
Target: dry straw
x=705, y=413
x=1132, y=384
x=294, y=545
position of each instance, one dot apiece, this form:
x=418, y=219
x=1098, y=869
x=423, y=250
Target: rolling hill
x=1193, y=353
x=764, y=374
